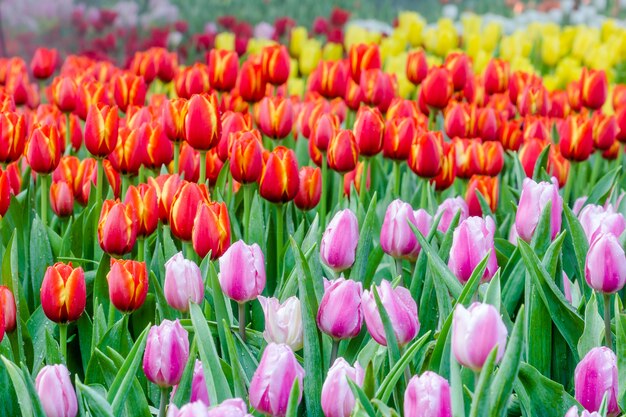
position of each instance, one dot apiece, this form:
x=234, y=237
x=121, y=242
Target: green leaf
x=620, y=326
x=456, y=388
x=10, y=260
x=41, y=256
x=594, y=328
x=239, y=376
x=540, y=396
x=392, y=343
x=94, y=400
x=136, y=403
x=603, y=187
x=541, y=164
x=219, y=305
x=575, y=248
x=480, y=401
x=292, y=405
x=183, y=390
x=360, y=396
x=366, y=239
x=493, y=296
x=29, y=404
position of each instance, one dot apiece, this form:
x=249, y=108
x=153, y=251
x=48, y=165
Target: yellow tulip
x=332, y=51
x=293, y=68
x=310, y=56
x=473, y=44
x=225, y=40
x=391, y=47
x=413, y=24
x=584, y=41
x=256, y=45
x=609, y=28
x=471, y=23
x=299, y=36
x=295, y=87
x=550, y=50
x=491, y=36
x=480, y=62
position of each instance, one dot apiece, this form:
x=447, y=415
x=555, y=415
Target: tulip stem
x=125, y=182
x=176, y=156
x=63, y=342
x=99, y=181
x=607, y=321
x=202, y=179
x=341, y=191
x=396, y=183
x=163, y=404
x=44, y=198
x=363, y=186
x=279, y=239
x=324, y=191
x=111, y=314
x=247, y=200
x=333, y=352
x=399, y=270
x=68, y=134
x=140, y=249
x=242, y=321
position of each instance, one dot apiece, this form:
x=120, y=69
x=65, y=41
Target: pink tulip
x=183, y=283
x=338, y=247
x=427, y=396
x=337, y=397
x=401, y=309
x=57, y=396
x=234, y=407
x=595, y=376
x=567, y=288
x=450, y=207
x=273, y=379
x=198, y=385
x=283, y=322
x=605, y=266
x=242, y=271
x=396, y=236
x=475, y=333
x=579, y=204
x=167, y=351
x=339, y=314
x=193, y=409
x=597, y=219
x=534, y=198
x=573, y=412
x=471, y=242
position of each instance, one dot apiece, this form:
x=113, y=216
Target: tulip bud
x=343, y=151
x=458, y=64
x=276, y=64
x=198, y=385
x=63, y=293
x=605, y=266
x=487, y=187
x=234, y=407
x=363, y=57
x=242, y=271
x=211, y=230
x=280, y=180
x=12, y=136
x=476, y=331
x=166, y=354
x=457, y=121
x=276, y=117
x=333, y=78
x=117, y=227
x=604, y=129
x=593, y=88
x=369, y=128
x=44, y=63
x=437, y=88
x=101, y=130
x=130, y=152
x=533, y=100
x=471, y=241
x=173, y=119
x=337, y=397
x=401, y=309
x=129, y=89
x=416, y=66
x=339, y=241
x=191, y=409
x=246, y=157
x=202, y=122
x=534, y=198
x=310, y=189
x=273, y=380
x=143, y=199
x=7, y=305
x=596, y=376
x=250, y=82
x=283, y=322
x=596, y=219
x=496, y=76
x=222, y=67
x=450, y=207
x=55, y=391
x=400, y=132
x=396, y=236
x=447, y=173
x=378, y=87
x=427, y=395
x=573, y=412
x=339, y=314
x=128, y=284
x=42, y=150
x=64, y=92
x=184, y=208
x=61, y=198
x=576, y=138
x=323, y=130
x=183, y=283
x=426, y=154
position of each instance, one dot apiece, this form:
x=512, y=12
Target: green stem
x=363, y=189
x=247, y=200
x=163, y=404
x=68, y=135
x=324, y=191
x=333, y=352
x=44, y=191
x=125, y=183
x=63, y=341
x=607, y=321
x=399, y=269
x=396, y=174
x=242, y=321
x=340, y=188
x=99, y=181
x=111, y=320
x=432, y=118
x=597, y=164
x=202, y=178
x=140, y=248
x=176, y=157
x=570, y=182
x=279, y=239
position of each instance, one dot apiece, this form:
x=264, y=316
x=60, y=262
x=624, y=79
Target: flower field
x=348, y=219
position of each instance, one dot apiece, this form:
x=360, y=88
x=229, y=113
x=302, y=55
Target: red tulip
x=130, y=152
x=280, y=179
x=604, y=128
x=117, y=227
x=7, y=305
x=223, y=66
x=61, y=198
x=246, y=159
x=43, y=149
x=173, y=119
x=593, y=88
x=166, y=187
x=333, y=76
x=310, y=190
x=63, y=293
x=276, y=117
x=143, y=199
x=488, y=187
x=496, y=76
x=399, y=136
x=202, y=122
x=343, y=152
x=211, y=230
x=43, y=63
x=184, y=206
x=576, y=138
x=323, y=130
x=458, y=65
x=232, y=122
x=129, y=89
x=64, y=93
x=363, y=57
x=378, y=87
x=416, y=66
x=447, y=173
x=250, y=82
x=128, y=284
x=276, y=64
x=437, y=88
x=12, y=136
x=101, y=130
x=426, y=154
x=369, y=128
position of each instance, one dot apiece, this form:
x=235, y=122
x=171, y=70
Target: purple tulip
x=339, y=314
x=597, y=219
x=605, y=266
x=167, y=351
x=471, y=242
x=573, y=412
x=396, y=236
x=283, y=322
x=242, y=271
x=476, y=331
x=57, y=396
x=193, y=409
x=183, y=283
x=337, y=397
x=427, y=396
x=272, y=381
x=401, y=309
x=595, y=376
x=450, y=207
x=338, y=247
x=534, y=198
x=234, y=407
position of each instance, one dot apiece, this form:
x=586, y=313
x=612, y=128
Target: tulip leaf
x=456, y=388
x=603, y=187
x=541, y=164
x=539, y=338
x=120, y=388
x=360, y=396
x=41, y=256
x=365, y=246
x=575, y=248
x=446, y=242
x=594, y=328
x=389, y=382
x=217, y=384
x=620, y=327
x=26, y=397
x=502, y=384
x=542, y=236
x=540, y=396
x=136, y=403
x=10, y=268
x=493, y=291
x=219, y=304
x=480, y=400
x=100, y=285
x=94, y=401
x=294, y=394
x=183, y=389
x=239, y=375
x=392, y=342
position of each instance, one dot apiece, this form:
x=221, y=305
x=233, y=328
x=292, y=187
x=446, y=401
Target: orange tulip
x=129, y=89
x=343, y=151
x=130, y=152
x=128, y=284
x=333, y=76
x=485, y=185
x=63, y=293
x=173, y=119
x=117, y=227
x=363, y=57
x=101, y=130
x=12, y=136
x=280, y=180
x=310, y=190
x=246, y=159
x=416, y=66
x=166, y=187
x=426, y=153
x=211, y=230
x=202, y=122
x=43, y=149
x=184, y=206
x=143, y=199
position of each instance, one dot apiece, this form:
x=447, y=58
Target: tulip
x=64, y=92
x=173, y=119
x=276, y=117
x=416, y=66
x=323, y=130
x=280, y=180
x=12, y=136
x=458, y=65
x=198, y=385
x=487, y=187
x=533, y=100
x=339, y=241
x=450, y=207
x=273, y=380
x=533, y=199
x=167, y=351
x=596, y=219
x=185, y=207
x=192, y=80
x=496, y=76
x=605, y=265
x=43, y=63
x=55, y=391
x=354, y=95
x=250, y=82
x=9, y=309
x=472, y=240
x=604, y=130
x=343, y=151
x=222, y=67
x=576, y=138
x=128, y=284
x=43, y=149
x=143, y=199
x=491, y=158
x=310, y=189
x=400, y=132
x=333, y=78
x=183, y=283
x=529, y=153
x=437, y=88
x=401, y=310
x=426, y=154
x=202, y=122
x=457, y=120
x=63, y=293
x=242, y=272
x=233, y=125
x=369, y=128
x=596, y=377
x=397, y=239
x=339, y=314
x=427, y=395
x=510, y=135
x=276, y=64
x=378, y=87
x=129, y=89
x=192, y=409
x=101, y=130
x=283, y=322
x=234, y=407
x=211, y=230
x=593, y=88
x=447, y=173
x=363, y=57
x=476, y=331
x=130, y=152
x=246, y=157
x=61, y=198
x=117, y=227
x=573, y=412
x=337, y=397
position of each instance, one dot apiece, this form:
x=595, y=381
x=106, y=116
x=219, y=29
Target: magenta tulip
x=273, y=379
x=339, y=314
x=595, y=376
x=448, y=210
x=427, y=395
x=183, y=283
x=233, y=407
x=573, y=412
x=198, y=385
x=472, y=240
x=337, y=397
x=338, y=247
x=283, y=322
x=57, y=396
x=476, y=331
x=605, y=266
x=596, y=219
x=193, y=409
x=401, y=309
x=534, y=198
x=397, y=238
x=579, y=203
x=167, y=351
x=242, y=271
